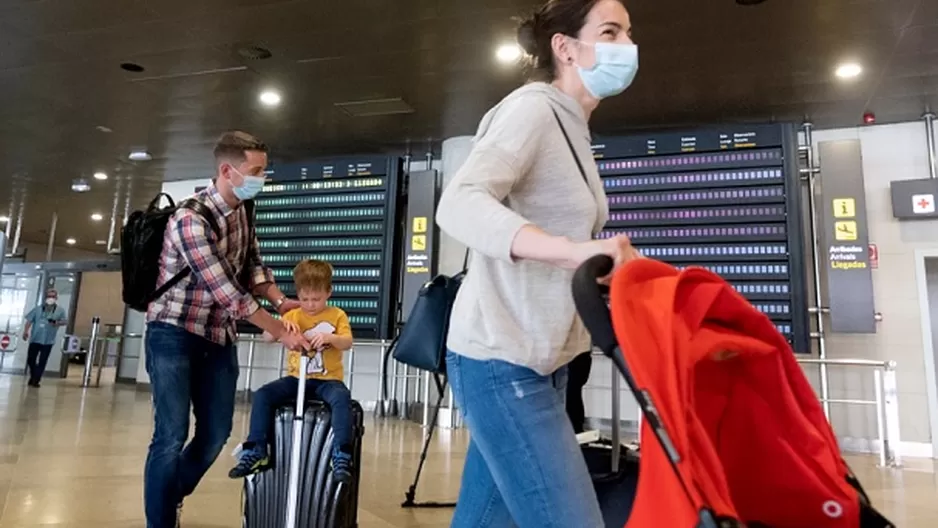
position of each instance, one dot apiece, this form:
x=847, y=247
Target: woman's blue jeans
x=524, y=467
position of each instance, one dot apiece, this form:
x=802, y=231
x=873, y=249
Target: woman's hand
x=619, y=248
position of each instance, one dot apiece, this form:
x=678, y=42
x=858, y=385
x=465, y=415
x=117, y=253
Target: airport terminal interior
x=787, y=146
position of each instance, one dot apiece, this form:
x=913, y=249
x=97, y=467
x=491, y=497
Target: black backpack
x=142, y=249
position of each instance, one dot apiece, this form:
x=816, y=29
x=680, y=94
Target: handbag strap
x=570, y=145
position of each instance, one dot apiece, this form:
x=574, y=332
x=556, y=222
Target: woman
x=528, y=214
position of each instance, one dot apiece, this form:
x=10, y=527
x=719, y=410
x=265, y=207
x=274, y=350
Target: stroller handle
x=589, y=298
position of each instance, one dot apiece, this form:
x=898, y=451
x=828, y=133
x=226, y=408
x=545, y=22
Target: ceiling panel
x=701, y=62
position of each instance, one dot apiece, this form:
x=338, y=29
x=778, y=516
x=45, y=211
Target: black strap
x=572, y=150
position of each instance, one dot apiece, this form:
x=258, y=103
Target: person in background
x=42, y=327
x=191, y=339
x=578, y=377
x=330, y=335
x=529, y=214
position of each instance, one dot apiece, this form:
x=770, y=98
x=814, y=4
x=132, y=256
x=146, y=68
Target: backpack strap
x=202, y=210
x=244, y=277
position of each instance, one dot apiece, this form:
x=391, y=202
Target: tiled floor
x=73, y=458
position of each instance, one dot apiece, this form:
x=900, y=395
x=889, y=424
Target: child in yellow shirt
x=328, y=331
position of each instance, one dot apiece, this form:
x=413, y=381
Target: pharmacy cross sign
x=923, y=203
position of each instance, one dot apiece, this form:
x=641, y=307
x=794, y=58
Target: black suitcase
x=320, y=502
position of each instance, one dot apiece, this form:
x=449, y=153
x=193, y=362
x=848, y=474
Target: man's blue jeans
x=524, y=467
x=185, y=370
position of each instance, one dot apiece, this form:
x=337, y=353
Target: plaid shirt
x=210, y=300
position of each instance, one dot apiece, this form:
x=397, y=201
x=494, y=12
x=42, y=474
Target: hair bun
x=527, y=38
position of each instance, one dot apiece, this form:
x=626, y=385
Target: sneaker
x=250, y=461
x=341, y=466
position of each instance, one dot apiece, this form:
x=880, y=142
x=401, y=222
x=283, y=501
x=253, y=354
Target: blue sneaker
x=341, y=466
x=250, y=461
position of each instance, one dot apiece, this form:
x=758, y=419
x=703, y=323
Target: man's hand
x=294, y=341
x=290, y=327
x=25, y=335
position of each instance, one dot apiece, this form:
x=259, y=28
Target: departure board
x=725, y=199
x=342, y=211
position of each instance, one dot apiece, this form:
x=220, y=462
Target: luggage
x=304, y=481
x=732, y=433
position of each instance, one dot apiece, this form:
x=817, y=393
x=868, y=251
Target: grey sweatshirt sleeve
x=472, y=208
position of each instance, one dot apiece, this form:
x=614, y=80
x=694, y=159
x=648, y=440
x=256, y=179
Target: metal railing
x=885, y=400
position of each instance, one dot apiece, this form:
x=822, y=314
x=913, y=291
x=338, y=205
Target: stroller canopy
x=749, y=437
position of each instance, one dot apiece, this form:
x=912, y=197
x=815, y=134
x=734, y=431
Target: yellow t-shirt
x=327, y=363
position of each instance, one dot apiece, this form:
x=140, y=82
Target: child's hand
x=318, y=340
x=290, y=326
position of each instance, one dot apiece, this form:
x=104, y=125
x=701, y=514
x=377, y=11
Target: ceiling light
x=132, y=67
x=508, y=53
x=103, y=129
x=4, y=219
x=97, y=217
x=139, y=155
x=71, y=241
x=80, y=185
x=848, y=70
x=101, y=242
x=270, y=98
x=100, y=176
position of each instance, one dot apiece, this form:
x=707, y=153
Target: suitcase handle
x=589, y=298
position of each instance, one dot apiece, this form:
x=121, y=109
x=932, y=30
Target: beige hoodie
x=520, y=172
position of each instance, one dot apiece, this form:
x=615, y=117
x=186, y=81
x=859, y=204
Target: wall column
x=455, y=152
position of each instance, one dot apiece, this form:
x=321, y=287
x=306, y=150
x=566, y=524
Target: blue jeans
x=37, y=356
x=524, y=466
x=185, y=370
x=282, y=391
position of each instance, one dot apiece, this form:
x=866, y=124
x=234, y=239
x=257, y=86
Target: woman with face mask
x=527, y=203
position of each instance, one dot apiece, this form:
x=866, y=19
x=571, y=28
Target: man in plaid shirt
x=191, y=351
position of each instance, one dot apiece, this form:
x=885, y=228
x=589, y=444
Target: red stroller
x=740, y=439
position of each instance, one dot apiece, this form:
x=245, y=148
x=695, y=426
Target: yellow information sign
x=845, y=208
x=420, y=224
x=418, y=243
x=845, y=230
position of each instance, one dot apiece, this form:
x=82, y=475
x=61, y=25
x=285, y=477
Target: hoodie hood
x=569, y=110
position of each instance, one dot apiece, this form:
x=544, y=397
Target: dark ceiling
x=702, y=61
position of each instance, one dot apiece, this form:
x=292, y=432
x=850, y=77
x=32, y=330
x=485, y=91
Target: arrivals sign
x=420, y=239
x=846, y=238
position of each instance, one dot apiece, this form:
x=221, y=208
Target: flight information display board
x=342, y=211
x=725, y=199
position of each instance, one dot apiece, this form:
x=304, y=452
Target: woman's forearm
x=533, y=243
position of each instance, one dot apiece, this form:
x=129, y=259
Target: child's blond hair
x=314, y=275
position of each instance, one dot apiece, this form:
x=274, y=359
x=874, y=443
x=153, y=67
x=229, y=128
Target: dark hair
x=535, y=32
x=231, y=146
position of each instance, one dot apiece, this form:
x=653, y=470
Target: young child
x=328, y=330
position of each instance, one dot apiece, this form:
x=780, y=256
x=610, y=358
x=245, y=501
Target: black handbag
x=422, y=341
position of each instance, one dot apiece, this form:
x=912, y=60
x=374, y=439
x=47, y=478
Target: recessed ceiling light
x=103, y=129
x=270, y=98
x=139, y=155
x=71, y=241
x=80, y=185
x=508, y=53
x=4, y=219
x=749, y=2
x=100, y=176
x=848, y=70
x=132, y=67
x=97, y=217
x=101, y=242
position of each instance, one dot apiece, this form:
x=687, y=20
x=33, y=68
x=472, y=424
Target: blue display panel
x=342, y=211
x=727, y=200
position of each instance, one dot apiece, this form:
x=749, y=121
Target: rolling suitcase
x=299, y=491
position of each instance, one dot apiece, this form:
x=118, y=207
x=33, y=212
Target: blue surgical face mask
x=250, y=187
x=615, y=69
